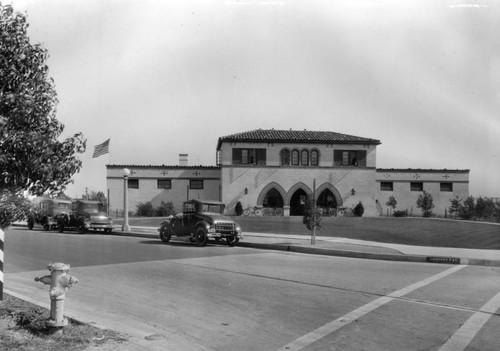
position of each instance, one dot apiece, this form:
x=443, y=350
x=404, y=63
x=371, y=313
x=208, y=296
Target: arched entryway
x=273, y=203
x=298, y=203
x=273, y=199
x=326, y=202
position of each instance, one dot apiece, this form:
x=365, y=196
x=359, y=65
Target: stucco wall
x=431, y=179
x=255, y=179
x=273, y=152
x=149, y=191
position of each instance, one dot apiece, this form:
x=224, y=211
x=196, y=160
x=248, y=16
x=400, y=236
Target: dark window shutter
x=362, y=158
x=337, y=158
x=261, y=156
x=236, y=156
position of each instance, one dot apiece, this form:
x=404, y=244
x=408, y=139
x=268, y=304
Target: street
x=178, y=296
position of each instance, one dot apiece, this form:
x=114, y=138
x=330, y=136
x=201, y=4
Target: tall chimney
x=183, y=160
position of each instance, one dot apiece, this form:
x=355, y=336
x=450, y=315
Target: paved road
x=180, y=297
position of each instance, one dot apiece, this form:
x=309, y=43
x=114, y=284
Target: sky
x=160, y=77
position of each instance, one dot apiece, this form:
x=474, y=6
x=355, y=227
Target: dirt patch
x=22, y=327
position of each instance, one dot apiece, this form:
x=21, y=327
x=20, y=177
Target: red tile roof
x=295, y=136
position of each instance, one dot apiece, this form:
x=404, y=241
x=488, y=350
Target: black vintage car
x=85, y=215
x=200, y=221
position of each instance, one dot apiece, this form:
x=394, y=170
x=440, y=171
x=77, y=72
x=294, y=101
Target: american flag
x=101, y=149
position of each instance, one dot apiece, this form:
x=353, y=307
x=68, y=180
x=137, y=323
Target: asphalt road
x=178, y=296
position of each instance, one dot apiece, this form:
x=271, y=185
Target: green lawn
x=408, y=231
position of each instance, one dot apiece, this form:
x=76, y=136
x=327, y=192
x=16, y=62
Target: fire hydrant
x=60, y=281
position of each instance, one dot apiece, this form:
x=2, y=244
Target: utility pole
x=313, y=214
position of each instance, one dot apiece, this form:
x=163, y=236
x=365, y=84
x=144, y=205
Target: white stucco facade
x=277, y=171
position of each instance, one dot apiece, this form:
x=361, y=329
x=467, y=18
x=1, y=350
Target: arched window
x=295, y=157
x=285, y=157
x=304, y=158
x=314, y=158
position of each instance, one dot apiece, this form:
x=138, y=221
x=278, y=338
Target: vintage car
x=46, y=213
x=201, y=221
x=85, y=215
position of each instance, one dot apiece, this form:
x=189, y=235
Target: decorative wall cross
x=446, y=176
x=164, y=173
x=387, y=175
x=416, y=176
x=132, y=172
x=196, y=173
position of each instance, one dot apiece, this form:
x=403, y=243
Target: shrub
x=399, y=214
x=238, y=209
x=145, y=209
x=165, y=209
x=359, y=209
x=468, y=209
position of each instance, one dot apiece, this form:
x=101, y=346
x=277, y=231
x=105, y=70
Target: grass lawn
x=406, y=230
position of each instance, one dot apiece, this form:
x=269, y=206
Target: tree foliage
x=391, y=202
x=426, y=204
x=455, y=206
x=312, y=215
x=472, y=208
x=359, y=209
x=32, y=160
x=99, y=196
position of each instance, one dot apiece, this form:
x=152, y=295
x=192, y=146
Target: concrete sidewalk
x=335, y=246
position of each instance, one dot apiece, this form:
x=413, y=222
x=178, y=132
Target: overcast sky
x=166, y=77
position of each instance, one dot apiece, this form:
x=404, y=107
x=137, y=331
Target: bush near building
x=476, y=209
x=146, y=209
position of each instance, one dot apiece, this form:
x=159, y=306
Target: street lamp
x=126, y=173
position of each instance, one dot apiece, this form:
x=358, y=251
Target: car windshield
x=63, y=205
x=91, y=208
x=212, y=208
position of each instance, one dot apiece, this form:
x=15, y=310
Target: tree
x=468, y=210
x=455, y=206
x=312, y=215
x=33, y=161
x=392, y=203
x=480, y=207
x=426, y=204
x=99, y=196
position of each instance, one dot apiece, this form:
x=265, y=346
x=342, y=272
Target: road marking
x=471, y=327
x=332, y=326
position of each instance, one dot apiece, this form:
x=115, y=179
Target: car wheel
x=165, y=233
x=201, y=236
x=107, y=231
x=81, y=228
x=233, y=241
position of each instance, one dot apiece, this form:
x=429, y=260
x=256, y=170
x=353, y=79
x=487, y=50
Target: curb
x=151, y=233
x=346, y=253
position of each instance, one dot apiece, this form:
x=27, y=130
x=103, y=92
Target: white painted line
x=471, y=327
x=332, y=326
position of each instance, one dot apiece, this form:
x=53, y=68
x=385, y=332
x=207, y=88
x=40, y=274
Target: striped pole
x=1, y=263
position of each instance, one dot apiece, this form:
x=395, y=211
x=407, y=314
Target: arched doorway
x=298, y=203
x=273, y=203
x=326, y=202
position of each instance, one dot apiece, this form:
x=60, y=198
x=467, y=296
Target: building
x=276, y=171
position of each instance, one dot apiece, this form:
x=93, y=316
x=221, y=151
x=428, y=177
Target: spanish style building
x=275, y=172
